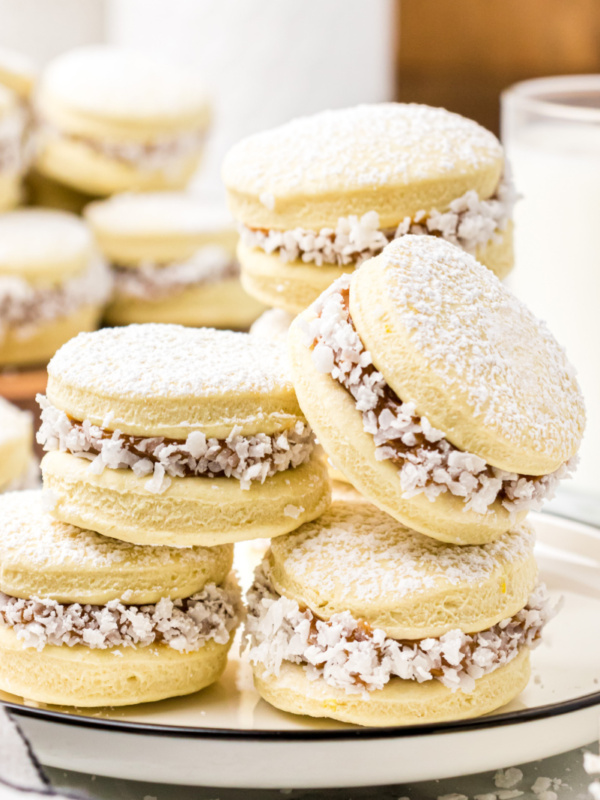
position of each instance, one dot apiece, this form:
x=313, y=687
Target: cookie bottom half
x=192, y=511
x=118, y=676
x=400, y=702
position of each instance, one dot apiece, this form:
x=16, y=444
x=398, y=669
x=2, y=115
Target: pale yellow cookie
x=13, y=127
x=162, y=434
x=320, y=194
x=173, y=260
x=16, y=442
x=40, y=557
x=17, y=72
x=52, y=283
x=474, y=413
x=357, y=618
x=113, y=120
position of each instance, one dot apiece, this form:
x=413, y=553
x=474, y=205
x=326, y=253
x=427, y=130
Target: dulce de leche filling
x=245, y=458
x=351, y=655
x=427, y=462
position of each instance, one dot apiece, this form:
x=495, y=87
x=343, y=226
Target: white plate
x=227, y=736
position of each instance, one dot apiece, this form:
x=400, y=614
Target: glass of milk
x=551, y=131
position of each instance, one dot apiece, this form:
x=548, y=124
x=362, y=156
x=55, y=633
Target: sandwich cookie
x=173, y=260
x=112, y=120
x=319, y=195
x=91, y=621
x=437, y=392
x=358, y=618
x=160, y=434
x=18, y=467
x=272, y=324
x=52, y=283
x=14, y=147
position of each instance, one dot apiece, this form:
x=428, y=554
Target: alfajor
x=437, y=392
x=17, y=72
x=18, y=467
x=113, y=120
x=91, y=621
x=319, y=195
x=160, y=434
x=14, y=147
x=53, y=284
x=173, y=260
x=358, y=618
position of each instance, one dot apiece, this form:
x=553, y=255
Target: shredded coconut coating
x=347, y=654
x=25, y=307
x=469, y=223
x=185, y=625
x=151, y=281
x=161, y=154
x=427, y=462
x=245, y=458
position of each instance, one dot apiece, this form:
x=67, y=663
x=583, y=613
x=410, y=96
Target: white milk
x=556, y=167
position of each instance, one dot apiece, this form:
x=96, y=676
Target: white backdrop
x=265, y=61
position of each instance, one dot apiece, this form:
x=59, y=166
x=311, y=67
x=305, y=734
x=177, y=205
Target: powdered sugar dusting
x=479, y=339
x=30, y=535
x=185, y=625
x=376, y=555
x=427, y=463
x=368, y=145
x=357, y=659
x=171, y=361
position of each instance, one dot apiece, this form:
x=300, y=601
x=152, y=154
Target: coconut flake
x=245, y=458
x=347, y=656
x=184, y=625
x=428, y=463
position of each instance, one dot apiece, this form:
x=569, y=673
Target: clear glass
x=551, y=131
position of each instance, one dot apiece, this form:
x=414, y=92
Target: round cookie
x=91, y=621
x=317, y=196
x=447, y=403
x=13, y=134
x=173, y=260
x=356, y=617
x=115, y=120
x=16, y=442
x=41, y=557
x=52, y=283
x=195, y=437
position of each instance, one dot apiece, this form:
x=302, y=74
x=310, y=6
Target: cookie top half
x=393, y=158
x=43, y=246
x=17, y=72
x=131, y=93
x=167, y=380
x=41, y=557
x=356, y=558
x=158, y=226
x=447, y=335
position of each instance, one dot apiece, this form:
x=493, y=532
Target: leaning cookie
x=18, y=467
x=91, y=621
x=437, y=392
x=173, y=260
x=319, y=195
x=358, y=618
x=160, y=434
x=113, y=120
x=14, y=122
x=53, y=284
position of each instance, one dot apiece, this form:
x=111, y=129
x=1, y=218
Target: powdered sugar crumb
x=508, y=778
x=293, y=511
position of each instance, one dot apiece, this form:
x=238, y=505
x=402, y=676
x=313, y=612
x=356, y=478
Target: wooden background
x=461, y=54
